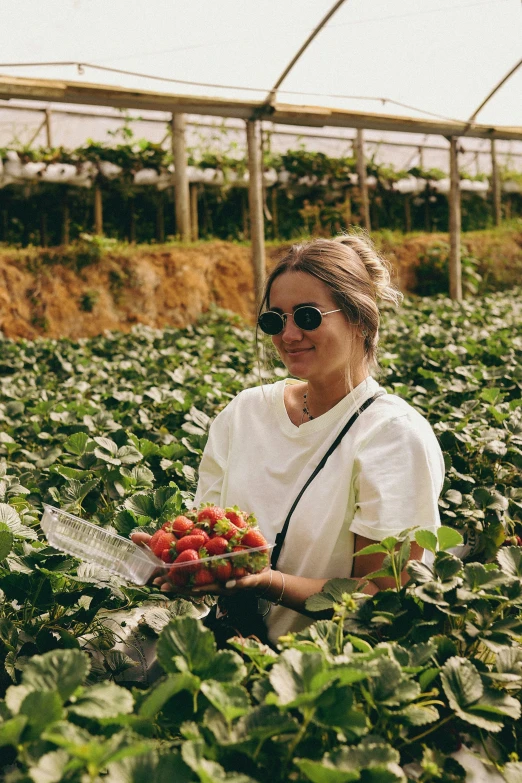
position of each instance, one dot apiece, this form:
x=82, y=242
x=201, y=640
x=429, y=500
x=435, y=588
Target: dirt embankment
x=49, y=293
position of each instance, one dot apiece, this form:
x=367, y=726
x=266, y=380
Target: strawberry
x=239, y=572
x=181, y=526
x=253, y=538
x=216, y=545
x=236, y=516
x=210, y=515
x=189, y=560
x=195, y=541
x=204, y=577
x=226, y=529
x=222, y=569
x=168, y=555
x=178, y=577
x=161, y=540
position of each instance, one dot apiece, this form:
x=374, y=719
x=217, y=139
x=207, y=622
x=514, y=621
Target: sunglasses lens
x=308, y=318
x=270, y=323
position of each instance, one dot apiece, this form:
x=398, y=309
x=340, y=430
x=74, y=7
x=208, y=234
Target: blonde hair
x=357, y=276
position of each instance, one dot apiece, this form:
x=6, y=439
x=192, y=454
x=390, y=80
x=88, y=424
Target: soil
x=49, y=293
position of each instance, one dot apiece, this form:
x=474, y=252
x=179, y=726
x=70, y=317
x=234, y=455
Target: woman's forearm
x=292, y=591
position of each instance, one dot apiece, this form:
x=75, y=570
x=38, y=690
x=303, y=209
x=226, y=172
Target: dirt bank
x=65, y=293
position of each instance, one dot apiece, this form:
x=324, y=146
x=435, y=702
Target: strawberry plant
x=379, y=688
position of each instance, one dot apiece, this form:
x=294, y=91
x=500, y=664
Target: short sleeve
x=212, y=467
x=398, y=477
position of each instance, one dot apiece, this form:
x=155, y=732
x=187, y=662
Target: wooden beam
x=64, y=91
x=455, y=271
x=495, y=186
x=48, y=134
x=181, y=183
x=255, y=199
x=361, y=176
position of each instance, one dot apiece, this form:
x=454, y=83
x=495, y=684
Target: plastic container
x=93, y=544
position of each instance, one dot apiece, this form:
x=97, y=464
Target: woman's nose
x=291, y=332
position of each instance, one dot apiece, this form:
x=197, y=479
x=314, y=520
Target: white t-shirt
x=386, y=475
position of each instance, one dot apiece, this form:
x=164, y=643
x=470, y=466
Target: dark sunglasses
x=306, y=317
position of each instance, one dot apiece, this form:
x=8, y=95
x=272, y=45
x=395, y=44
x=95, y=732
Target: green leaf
x=11, y=519
x=319, y=772
x=298, y=678
x=142, y=504
x=231, y=700
x=263, y=722
x=209, y=771
x=510, y=560
x=50, y=767
x=418, y=714
x=371, y=549
x=6, y=540
x=11, y=730
x=164, y=690
x=150, y=768
x=75, y=444
x=41, y=708
x=63, y=670
x=448, y=538
x=104, y=700
x=185, y=644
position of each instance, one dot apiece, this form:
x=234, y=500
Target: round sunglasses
x=306, y=317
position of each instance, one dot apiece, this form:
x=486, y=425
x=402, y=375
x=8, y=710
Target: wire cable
x=81, y=66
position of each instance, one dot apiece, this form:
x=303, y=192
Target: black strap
x=280, y=538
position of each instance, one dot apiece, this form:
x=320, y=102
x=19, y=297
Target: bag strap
x=280, y=538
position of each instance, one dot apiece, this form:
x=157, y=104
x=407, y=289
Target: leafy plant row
x=112, y=428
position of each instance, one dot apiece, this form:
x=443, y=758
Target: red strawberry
x=236, y=516
x=168, y=555
x=210, y=515
x=190, y=542
x=189, y=560
x=181, y=525
x=239, y=572
x=161, y=540
x=222, y=569
x=179, y=577
x=204, y=577
x=226, y=529
x=216, y=546
x=253, y=538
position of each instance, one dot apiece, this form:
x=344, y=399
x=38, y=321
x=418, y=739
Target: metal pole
x=495, y=185
x=455, y=271
x=181, y=184
x=255, y=201
x=361, y=174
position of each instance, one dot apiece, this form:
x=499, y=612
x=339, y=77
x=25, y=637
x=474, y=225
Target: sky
x=433, y=56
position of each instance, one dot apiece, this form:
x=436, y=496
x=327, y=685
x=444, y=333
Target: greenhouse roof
x=410, y=67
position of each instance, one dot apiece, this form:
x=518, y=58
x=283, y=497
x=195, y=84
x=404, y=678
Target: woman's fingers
x=141, y=538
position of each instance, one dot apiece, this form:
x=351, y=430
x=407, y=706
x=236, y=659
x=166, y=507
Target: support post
x=66, y=220
x=48, y=137
x=194, y=222
x=132, y=222
x=255, y=200
x=98, y=211
x=160, y=220
x=361, y=175
x=181, y=184
x=455, y=271
x=495, y=186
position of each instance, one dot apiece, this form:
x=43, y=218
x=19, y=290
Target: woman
x=320, y=308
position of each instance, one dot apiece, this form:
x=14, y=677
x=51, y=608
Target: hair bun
x=378, y=268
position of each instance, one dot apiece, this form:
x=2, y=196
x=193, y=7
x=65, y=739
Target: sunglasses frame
x=284, y=317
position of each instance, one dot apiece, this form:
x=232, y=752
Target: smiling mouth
x=301, y=350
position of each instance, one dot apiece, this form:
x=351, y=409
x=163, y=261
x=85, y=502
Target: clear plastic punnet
x=93, y=544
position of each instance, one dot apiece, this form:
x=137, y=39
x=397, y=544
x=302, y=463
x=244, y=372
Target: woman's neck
x=323, y=394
